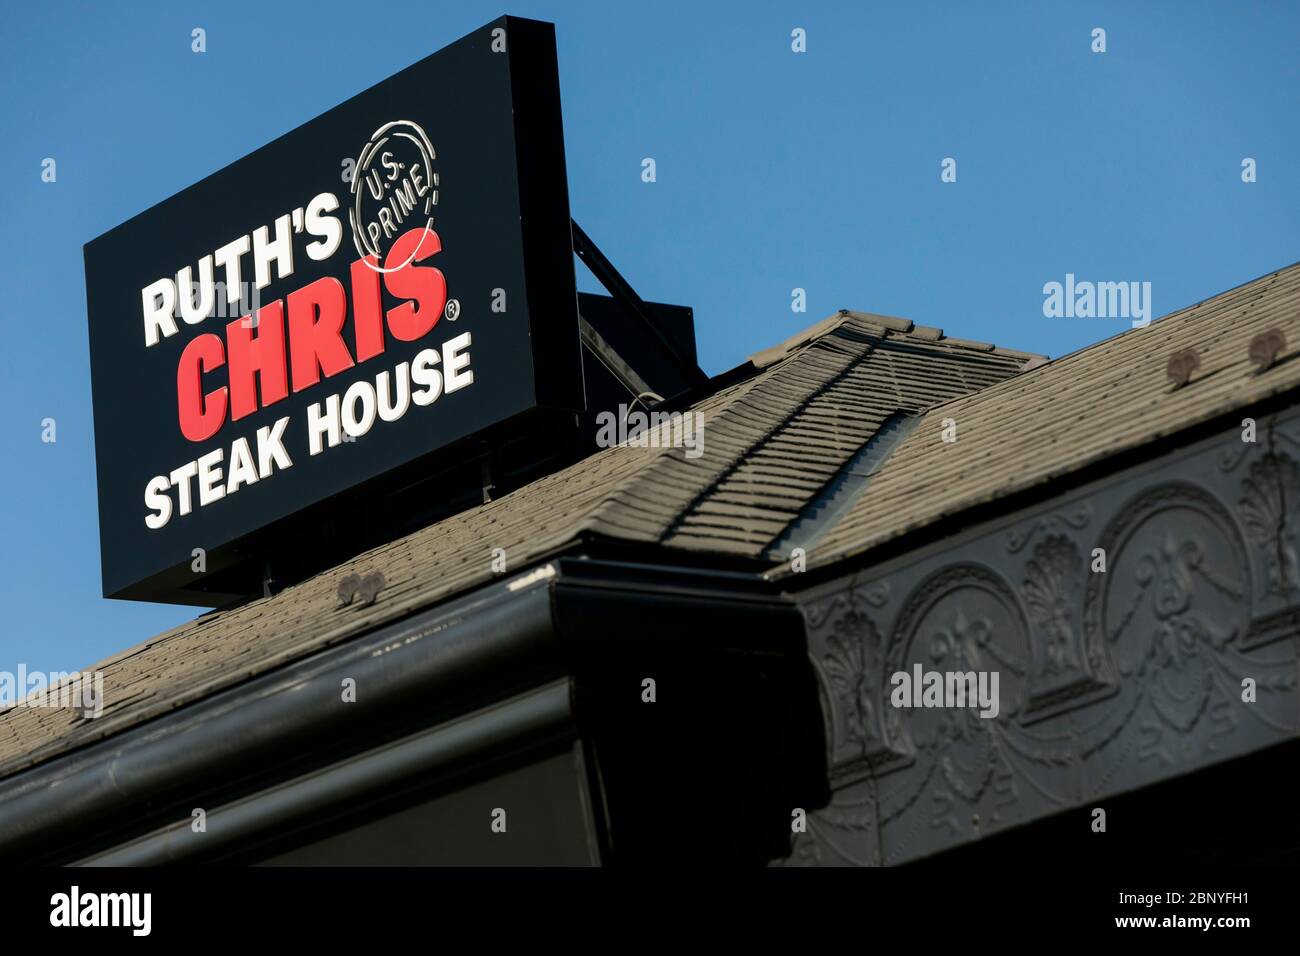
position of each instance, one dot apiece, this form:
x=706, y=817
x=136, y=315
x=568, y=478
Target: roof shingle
x=1075, y=411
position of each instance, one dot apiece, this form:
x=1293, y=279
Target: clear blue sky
x=776, y=170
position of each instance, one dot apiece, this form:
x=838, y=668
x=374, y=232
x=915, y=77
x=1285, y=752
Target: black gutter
x=427, y=668
x=237, y=827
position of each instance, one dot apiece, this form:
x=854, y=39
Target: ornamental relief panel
x=962, y=772
x=1070, y=666
x=847, y=664
x=1174, y=612
x=1107, y=680
x=1270, y=492
x=1265, y=493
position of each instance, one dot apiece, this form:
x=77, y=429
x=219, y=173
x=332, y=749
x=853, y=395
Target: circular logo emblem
x=394, y=190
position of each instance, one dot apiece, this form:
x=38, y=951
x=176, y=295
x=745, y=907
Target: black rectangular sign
x=364, y=292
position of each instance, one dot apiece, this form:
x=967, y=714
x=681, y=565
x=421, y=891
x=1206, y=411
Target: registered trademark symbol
x=452, y=311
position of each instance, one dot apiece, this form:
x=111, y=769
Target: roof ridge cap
x=806, y=336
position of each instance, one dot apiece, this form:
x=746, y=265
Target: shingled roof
x=771, y=441
x=779, y=439
x=1073, y=412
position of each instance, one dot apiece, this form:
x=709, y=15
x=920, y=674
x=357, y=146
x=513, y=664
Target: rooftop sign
x=360, y=294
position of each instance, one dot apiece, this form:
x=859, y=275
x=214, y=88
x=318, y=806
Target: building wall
x=1109, y=681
